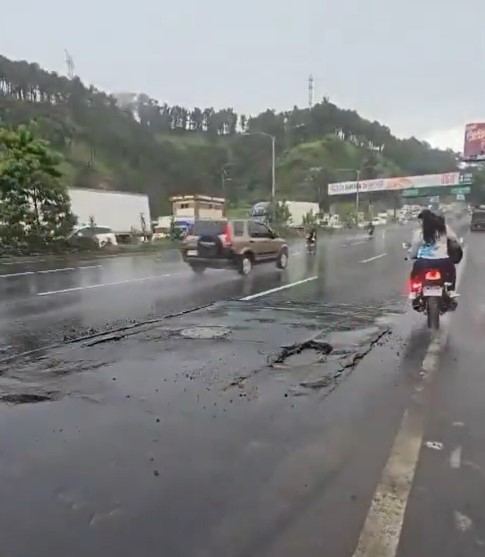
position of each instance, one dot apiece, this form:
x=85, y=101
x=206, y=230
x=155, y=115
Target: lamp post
x=358, y=174
x=273, y=159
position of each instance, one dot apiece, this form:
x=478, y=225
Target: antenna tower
x=310, y=91
x=70, y=65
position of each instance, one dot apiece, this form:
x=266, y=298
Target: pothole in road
x=25, y=398
x=347, y=342
x=311, y=348
x=205, y=333
x=322, y=362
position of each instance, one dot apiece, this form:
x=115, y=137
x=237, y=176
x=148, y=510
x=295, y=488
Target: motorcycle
x=431, y=294
x=311, y=245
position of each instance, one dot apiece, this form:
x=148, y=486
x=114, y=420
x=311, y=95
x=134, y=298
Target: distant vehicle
x=102, y=235
x=478, y=219
x=163, y=233
x=232, y=244
x=298, y=211
x=124, y=213
x=379, y=221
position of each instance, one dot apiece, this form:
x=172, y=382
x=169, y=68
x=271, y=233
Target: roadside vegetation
x=57, y=132
x=131, y=142
x=35, y=211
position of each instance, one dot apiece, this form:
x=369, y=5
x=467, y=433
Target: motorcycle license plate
x=432, y=291
x=192, y=253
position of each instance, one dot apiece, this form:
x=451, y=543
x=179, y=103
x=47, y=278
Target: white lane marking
x=382, y=528
x=277, y=289
x=373, y=258
x=360, y=242
x=105, y=284
x=455, y=459
x=24, y=262
x=62, y=270
x=18, y=274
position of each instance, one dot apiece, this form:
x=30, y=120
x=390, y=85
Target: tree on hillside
x=147, y=146
x=478, y=187
x=34, y=204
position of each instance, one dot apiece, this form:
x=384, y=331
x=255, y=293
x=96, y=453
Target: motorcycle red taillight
x=227, y=236
x=415, y=286
x=432, y=275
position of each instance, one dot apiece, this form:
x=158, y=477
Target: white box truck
x=299, y=209
x=123, y=212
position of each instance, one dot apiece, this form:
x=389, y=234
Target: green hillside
x=140, y=145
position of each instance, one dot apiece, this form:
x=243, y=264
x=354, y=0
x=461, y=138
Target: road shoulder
x=446, y=512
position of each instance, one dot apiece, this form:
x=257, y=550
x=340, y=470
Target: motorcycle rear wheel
x=433, y=311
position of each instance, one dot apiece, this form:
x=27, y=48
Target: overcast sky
x=415, y=65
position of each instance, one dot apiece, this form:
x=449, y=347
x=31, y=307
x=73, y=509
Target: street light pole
x=273, y=160
x=273, y=167
x=357, y=196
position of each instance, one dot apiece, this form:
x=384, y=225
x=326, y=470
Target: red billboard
x=474, y=142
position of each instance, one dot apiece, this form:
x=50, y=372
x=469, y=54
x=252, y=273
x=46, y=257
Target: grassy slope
x=293, y=167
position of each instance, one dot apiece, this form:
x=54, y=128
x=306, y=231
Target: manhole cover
x=205, y=332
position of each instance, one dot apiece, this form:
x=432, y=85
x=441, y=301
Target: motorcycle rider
x=429, y=248
x=370, y=228
x=311, y=237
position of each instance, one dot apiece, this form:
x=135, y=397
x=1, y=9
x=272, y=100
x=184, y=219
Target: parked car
x=232, y=244
x=102, y=235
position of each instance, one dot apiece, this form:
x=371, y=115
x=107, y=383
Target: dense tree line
x=35, y=208
x=135, y=143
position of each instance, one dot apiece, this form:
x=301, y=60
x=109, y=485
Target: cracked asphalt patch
x=232, y=344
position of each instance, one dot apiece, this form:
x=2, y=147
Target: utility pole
x=225, y=178
x=69, y=64
x=273, y=167
x=357, y=196
x=310, y=92
x=273, y=160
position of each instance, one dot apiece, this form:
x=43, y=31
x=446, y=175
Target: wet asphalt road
x=48, y=302
x=231, y=430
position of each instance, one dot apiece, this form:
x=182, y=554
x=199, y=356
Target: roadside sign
x=443, y=190
x=461, y=191
x=474, y=149
x=466, y=177
x=460, y=197
x=411, y=193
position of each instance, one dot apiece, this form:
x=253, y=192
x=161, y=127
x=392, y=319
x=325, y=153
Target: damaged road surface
x=257, y=426
x=203, y=435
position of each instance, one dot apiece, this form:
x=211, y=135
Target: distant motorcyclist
x=429, y=247
x=370, y=228
x=311, y=236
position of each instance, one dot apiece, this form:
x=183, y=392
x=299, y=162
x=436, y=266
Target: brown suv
x=237, y=244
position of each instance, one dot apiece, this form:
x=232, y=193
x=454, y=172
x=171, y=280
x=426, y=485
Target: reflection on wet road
x=257, y=425
x=44, y=303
